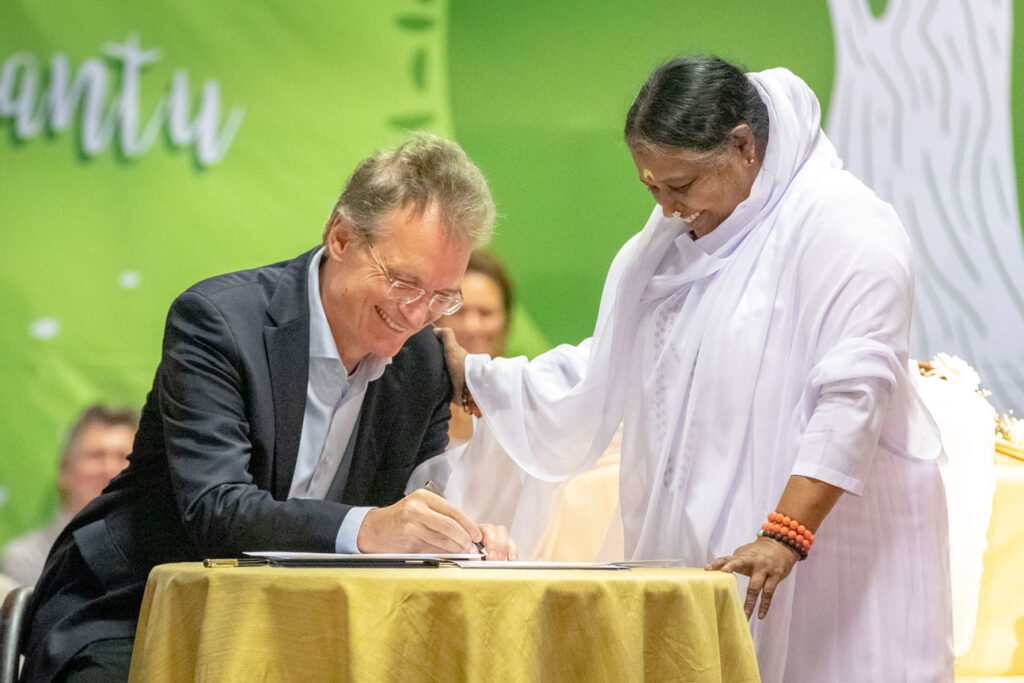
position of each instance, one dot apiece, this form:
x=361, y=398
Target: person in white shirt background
x=95, y=450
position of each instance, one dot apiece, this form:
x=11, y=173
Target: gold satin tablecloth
x=998, y=646
x=440, y=624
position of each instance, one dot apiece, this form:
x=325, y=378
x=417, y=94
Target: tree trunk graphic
x=920, y=112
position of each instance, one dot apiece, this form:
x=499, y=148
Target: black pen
x=438, y=491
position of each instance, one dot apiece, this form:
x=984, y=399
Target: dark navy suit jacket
x=214, y=455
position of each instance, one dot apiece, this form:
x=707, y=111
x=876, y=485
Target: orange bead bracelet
x=788, y=531
x=790, y=524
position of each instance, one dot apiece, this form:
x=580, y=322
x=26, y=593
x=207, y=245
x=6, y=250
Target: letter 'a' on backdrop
x=147, y=146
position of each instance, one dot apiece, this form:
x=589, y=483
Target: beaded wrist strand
x=789, y=532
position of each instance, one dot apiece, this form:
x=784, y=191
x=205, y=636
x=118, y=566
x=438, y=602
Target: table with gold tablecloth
x=442, y=624
x=998, y=647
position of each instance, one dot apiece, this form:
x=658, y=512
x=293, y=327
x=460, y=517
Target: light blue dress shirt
x=333, y=401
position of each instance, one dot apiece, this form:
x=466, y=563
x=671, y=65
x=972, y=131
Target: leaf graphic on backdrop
x=420, y=24
x=412, y=121
x=418, y=68
x=416, y=22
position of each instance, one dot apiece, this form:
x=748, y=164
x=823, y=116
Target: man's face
x=100, y=454
x=353, y=286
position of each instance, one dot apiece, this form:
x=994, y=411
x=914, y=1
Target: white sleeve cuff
x=348, y=534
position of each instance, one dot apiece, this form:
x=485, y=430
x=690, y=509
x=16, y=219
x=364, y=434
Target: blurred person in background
x=94, y=452
x=573, y=520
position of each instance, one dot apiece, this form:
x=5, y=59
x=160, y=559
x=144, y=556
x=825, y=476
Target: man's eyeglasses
x=404, y=293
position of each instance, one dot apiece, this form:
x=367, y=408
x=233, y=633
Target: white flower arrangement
x=1010, y=428
x=955, y=370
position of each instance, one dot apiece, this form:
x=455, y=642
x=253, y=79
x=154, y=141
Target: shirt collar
x=321, y=341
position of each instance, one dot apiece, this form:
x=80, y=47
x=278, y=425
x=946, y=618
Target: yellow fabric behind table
x=998, y=646
x=445, y=624
x=585, y=523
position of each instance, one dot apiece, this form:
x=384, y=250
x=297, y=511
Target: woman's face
x=480, y=325
x=703, y=191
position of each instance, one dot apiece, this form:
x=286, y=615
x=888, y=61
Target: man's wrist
x=347, y=540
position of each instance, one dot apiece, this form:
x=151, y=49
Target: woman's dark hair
x=693, y=103
x=485, y=263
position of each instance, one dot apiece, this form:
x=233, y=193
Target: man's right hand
x=422, y=522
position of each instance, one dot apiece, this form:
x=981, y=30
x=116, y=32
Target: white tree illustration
x=920, y=111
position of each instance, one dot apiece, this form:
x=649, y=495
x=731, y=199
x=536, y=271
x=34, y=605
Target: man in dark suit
x=290, y=405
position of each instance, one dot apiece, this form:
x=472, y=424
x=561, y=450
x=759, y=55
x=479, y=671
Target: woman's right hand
x=455, y=357
x=767, y=562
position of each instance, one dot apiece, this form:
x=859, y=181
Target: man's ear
x=337, y=235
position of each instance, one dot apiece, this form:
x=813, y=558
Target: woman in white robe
x=752, y=339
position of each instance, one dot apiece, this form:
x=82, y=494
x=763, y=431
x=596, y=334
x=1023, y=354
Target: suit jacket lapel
x=287, y=343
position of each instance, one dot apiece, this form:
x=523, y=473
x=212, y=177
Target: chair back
x=11, y=628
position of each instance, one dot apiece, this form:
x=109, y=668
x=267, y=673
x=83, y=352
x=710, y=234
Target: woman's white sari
x=775, y=345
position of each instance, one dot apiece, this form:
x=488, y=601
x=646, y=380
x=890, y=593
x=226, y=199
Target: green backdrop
x=99, y=237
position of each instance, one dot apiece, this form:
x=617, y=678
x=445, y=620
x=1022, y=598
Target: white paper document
x=343, y=557
x=518, y=564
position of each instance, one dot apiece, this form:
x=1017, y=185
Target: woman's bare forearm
x=808, y=500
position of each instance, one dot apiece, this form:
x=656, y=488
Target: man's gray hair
x=423, y=172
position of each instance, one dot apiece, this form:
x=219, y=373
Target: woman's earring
x=750, y=160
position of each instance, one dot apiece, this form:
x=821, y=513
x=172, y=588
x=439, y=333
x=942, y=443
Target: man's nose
x=418, y=313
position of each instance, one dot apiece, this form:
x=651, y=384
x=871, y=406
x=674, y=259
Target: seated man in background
x=95, y=449
x=289, y=407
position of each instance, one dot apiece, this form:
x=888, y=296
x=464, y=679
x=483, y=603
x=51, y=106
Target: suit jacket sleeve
x=204, y=386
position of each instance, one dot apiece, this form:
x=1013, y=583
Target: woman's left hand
x=766, y=562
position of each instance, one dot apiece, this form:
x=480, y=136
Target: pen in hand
x=438, y=491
